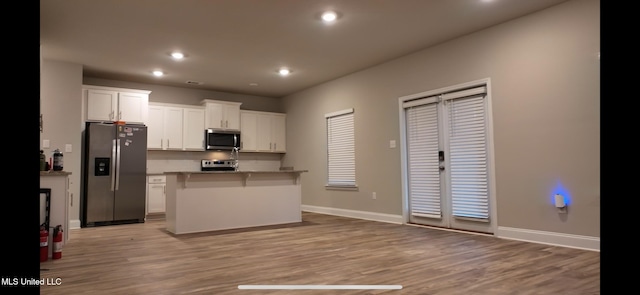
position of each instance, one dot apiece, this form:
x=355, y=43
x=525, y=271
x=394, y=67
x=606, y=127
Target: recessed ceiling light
x=177, y=55
x=329, y=16
x=158, y=73
x=284, y=72
x=253, y=84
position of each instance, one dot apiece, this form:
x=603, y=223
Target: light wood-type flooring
x=322, y=250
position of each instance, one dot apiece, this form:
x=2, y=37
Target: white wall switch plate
x=67, y=148
x=392, y=144
x=45, y=143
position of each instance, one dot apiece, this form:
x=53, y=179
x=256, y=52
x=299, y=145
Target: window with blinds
x=341, y=168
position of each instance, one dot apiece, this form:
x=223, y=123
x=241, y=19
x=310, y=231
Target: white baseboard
x=389, y=218
x=74, y=223
x=525, y=235
x=549, y=238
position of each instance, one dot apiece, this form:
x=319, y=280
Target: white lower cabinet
x=156, y=194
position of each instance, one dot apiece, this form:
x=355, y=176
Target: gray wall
x=61, y=109
x=545, y=77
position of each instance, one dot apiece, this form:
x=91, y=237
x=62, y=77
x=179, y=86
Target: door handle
x=118, y=164
x=113, y=168
x=441, y=168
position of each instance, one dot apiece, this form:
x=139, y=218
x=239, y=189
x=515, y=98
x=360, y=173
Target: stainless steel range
x=218, y=165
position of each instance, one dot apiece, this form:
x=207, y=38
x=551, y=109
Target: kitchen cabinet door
x=156, y=194
x=248, y=131
x=155, y=128
x=101, y=104
x=173, y=128
x=265, y=144
x=164, y=127
x=132, y=107
x=263, y=132
x=193, y=129
x=222, y=114
x=278, y=133
x=108, y=104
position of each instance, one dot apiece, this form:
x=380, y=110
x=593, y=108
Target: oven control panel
x=217, y=165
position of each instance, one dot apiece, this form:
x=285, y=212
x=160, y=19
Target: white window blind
x=468, y=154
x=341, y=149
x=423, y=163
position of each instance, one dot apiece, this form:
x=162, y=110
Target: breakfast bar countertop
x=235, y=172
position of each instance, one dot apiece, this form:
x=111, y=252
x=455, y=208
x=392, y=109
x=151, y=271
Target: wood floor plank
x=145, y=258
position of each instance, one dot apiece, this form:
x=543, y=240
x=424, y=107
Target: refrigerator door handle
x=113, y=168
x=117, y=164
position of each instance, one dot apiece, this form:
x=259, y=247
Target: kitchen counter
x=54, y=173
x=236, y=172
x=201, y=201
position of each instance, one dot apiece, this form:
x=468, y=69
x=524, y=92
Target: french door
x=446, y=151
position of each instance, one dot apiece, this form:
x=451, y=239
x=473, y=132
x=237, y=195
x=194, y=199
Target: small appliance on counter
x=218, y=165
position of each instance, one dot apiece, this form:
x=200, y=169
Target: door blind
x=341, y=149
x=468, y=156
x=423, y=163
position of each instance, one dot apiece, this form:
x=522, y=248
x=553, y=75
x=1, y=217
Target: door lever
x=441, y=168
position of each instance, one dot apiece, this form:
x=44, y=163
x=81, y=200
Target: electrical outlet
x=373, y=195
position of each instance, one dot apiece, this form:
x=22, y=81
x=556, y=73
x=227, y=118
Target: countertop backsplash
x=160, y=161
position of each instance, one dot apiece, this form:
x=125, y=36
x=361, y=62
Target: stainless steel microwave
x=216, y=139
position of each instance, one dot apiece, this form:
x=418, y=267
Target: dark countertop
x=54, y=173
x=235, y=172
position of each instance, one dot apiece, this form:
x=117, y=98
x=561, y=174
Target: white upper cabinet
x=115, y=104
x=278, y=133
x=263, y=132
x=164, y=127
x=194, y=129
x=248, y=131
x=155, y=127
x=222, y=114
x=175, y=127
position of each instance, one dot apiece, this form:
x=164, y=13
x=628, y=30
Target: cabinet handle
x=168, y=144
x=274, y=146
x=161, y=143
x=226, y=124
x=221, y=123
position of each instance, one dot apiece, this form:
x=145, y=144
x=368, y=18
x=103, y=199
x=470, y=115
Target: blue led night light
x=560, y=190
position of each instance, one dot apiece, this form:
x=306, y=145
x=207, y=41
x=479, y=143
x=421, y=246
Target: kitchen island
x=217, y=200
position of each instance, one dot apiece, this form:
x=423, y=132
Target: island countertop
x=235, y=172
x=54, y=173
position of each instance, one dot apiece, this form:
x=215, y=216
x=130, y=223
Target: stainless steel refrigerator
x=114, y=174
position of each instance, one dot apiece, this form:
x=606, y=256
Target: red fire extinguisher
x=44, y=244
x=57, y=242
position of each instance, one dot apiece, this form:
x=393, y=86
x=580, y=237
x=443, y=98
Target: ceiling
x=231, y=44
